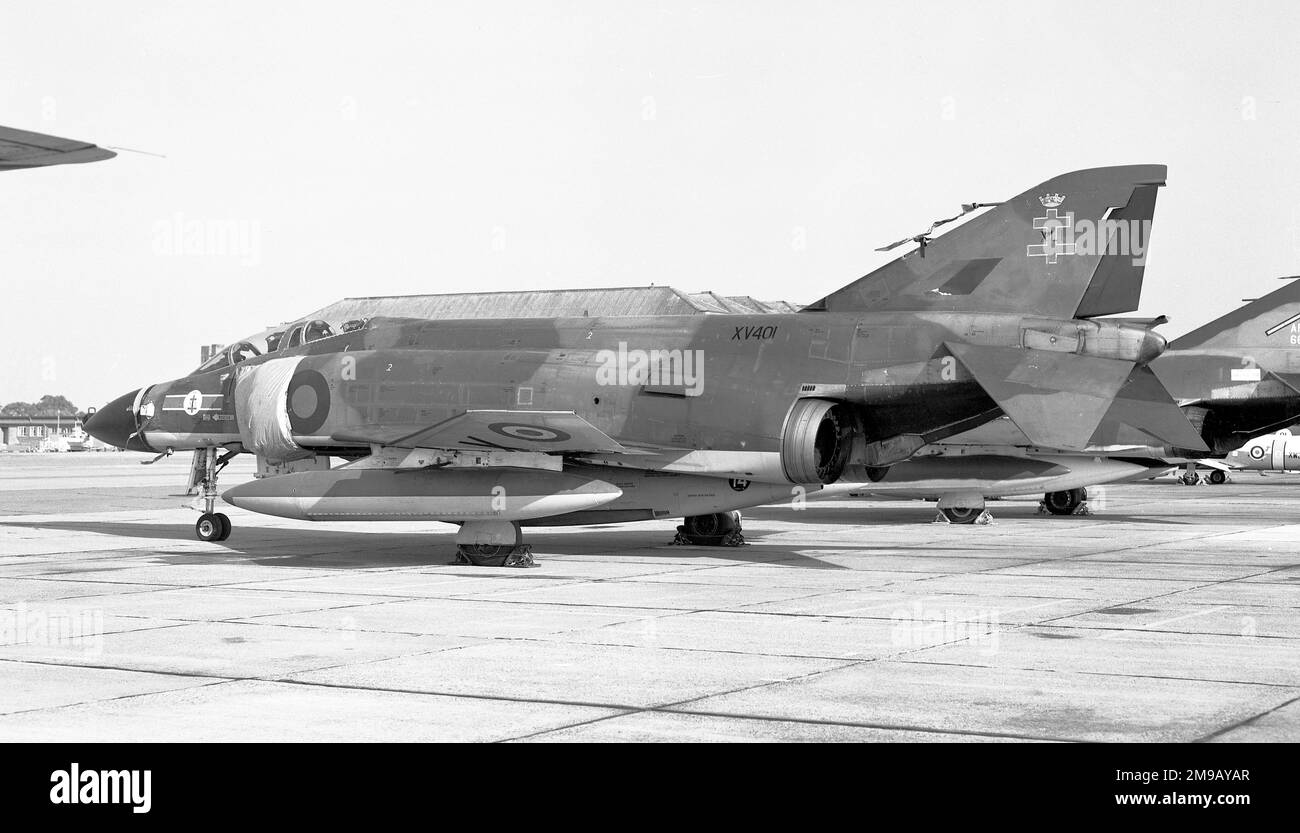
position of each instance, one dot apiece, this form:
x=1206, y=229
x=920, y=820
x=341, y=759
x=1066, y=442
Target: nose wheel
x=211, y=525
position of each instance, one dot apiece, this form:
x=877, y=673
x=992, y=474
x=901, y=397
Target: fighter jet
x=493, y=423
x=1236, y=378
x=1239, y=376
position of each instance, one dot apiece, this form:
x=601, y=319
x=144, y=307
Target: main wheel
x=962, y=514
x=1064, y=503
x=1218, y=477
x=209, y=527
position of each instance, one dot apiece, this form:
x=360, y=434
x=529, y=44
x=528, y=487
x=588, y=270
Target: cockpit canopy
x=279, y=338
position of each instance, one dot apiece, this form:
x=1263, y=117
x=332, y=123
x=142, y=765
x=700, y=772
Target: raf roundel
x=308, y=401
x=531, y=433
x=1257, y=452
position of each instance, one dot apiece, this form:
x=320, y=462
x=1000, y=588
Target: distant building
x=31, y=433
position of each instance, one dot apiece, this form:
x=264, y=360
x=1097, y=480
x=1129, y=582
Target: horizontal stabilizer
x=1144, y=403
x=1056, y=399
x=545, y=431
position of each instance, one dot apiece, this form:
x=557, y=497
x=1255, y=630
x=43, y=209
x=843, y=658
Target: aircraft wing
x=23, y=149
x=504, y=430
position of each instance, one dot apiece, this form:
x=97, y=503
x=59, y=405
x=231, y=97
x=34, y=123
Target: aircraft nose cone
x=115, y=423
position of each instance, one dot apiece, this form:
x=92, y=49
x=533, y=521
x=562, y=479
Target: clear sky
x=328, y=149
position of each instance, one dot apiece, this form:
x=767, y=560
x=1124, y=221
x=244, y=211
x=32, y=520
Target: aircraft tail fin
x=1266, y=324
x=1073, y=246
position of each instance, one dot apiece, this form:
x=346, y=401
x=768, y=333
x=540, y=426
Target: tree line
x=47, y=406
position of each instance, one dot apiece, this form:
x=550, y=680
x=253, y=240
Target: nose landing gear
x=211, y=526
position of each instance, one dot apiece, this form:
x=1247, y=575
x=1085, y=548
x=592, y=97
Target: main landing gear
x=501, y=543
x=720, y=529
x=212, y=526
x=1189, y=477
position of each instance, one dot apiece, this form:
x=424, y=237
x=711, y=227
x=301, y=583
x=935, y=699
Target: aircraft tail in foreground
x=1072, y=247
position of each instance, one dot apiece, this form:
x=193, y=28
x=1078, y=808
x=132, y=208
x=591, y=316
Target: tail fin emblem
x=1058, y=231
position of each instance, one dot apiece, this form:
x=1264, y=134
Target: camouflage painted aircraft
x=495, y=423
x=1236, y=378
x=1239, y=376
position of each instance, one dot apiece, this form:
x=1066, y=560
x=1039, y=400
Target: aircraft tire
x=1066, y=502
x=1217, y=477
x=208, y=527
x=226, y=526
